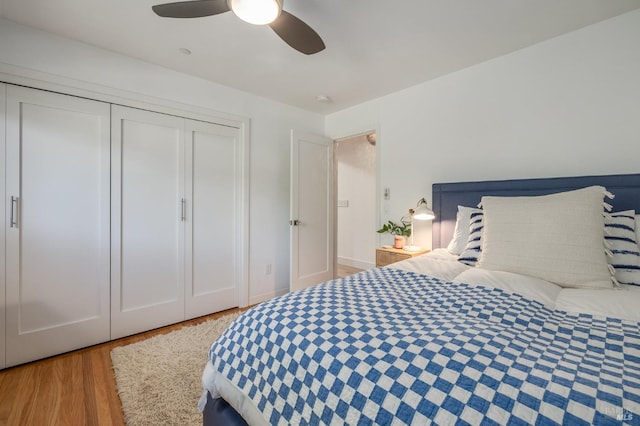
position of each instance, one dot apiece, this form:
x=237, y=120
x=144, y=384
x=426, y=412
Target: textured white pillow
x=557, y=237
x=461, y=231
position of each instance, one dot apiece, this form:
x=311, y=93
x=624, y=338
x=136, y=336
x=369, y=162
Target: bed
x=537, y=329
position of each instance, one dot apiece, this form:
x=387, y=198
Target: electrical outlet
x=387, y=194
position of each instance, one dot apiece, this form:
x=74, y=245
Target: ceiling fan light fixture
x=257, y=12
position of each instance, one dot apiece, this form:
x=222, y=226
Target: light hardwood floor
x=344, y=270
x=76, y=388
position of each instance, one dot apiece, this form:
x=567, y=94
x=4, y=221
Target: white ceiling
x=374, y=47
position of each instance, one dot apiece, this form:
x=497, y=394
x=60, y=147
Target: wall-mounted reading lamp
x=421, y=212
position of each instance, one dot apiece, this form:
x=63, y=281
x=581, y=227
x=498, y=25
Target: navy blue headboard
x=447, y=196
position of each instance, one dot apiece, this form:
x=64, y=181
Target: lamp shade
x=258, y=12
x=423, y=212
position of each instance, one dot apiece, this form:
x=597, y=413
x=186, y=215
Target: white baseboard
x=355, y=263
x=266, y=296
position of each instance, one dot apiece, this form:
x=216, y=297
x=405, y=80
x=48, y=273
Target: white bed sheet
x=622, y=302
x=438, y=263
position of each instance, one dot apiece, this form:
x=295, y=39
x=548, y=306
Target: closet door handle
x=182, y=209
x=14, y=212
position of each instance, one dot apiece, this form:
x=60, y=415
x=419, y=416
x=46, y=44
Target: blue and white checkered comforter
x=392, y=347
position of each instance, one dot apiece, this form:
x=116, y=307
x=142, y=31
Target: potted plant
x=398, y=230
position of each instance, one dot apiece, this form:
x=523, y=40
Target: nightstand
x=388, y=255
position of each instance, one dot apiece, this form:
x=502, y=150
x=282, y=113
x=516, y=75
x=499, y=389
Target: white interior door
x=147, y=283
x=58, y=241
x=312, y=210
x=3, y=92
x=215, y=218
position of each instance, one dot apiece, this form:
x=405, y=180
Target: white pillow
x=473, y=248
x=461, y=231
x=620, y=235
x=558, y=237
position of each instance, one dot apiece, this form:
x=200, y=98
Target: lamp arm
x=411, y=212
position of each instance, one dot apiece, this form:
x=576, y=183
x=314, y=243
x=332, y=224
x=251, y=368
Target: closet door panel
x=58, y=257
x=214, y=244
x=148, y=261
x=3, y=99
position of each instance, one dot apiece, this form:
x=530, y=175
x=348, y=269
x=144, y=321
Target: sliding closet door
x=148, y=216
x=57, y=234
x=214, y=245
x=3, y=92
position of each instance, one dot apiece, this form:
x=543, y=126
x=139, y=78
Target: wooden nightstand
x=386, y=256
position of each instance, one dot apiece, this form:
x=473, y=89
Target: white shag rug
x=159, y=379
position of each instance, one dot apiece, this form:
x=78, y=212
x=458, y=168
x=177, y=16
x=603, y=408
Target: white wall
x=567, y=106
x=356, y=176
x=44, y=56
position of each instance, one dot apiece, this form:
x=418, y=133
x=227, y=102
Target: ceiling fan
x=289, y=28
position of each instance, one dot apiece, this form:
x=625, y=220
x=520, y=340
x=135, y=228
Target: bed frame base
x=218, y=412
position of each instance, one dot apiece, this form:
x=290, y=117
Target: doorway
x=355, y=176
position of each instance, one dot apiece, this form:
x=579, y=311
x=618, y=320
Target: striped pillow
x=473, y=249
x=620, y=235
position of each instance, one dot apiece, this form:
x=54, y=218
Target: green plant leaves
x=402, y=228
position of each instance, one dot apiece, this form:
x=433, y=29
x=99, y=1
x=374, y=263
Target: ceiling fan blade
x=191, y=9
x=297, y=34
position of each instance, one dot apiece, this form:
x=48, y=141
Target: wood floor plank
x=73, y=395
x=345, y=270
x=9, y=391
x=77, y=388
x=26, y=389
x=5, y=402
x=108, y=409
x=90, y=380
